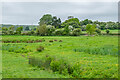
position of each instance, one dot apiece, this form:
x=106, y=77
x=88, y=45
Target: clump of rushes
x=50, y=40
x=40, y=48
x=60, y=41
x=55, y=40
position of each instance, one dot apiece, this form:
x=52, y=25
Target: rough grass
x=92, y=65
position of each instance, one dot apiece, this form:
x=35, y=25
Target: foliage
x=19, y=29
x=74, y=22
x=41, y=30
x=27, y=28
x=104, y=50
x=58, y=32
x=15, y=48
x=50, y=30
x=76, y=32
x=98, y=31
x=46, y=19
x=90, y=29
x=56, y=22
x=11, y=30
x=107, y=31
x=85, y=22
x=4, y=30
x=40, y=48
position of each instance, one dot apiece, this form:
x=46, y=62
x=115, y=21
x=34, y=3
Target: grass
x=91, y=65
x=104, y=31
x=111, y=31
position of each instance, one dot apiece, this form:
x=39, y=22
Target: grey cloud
x=31, y=12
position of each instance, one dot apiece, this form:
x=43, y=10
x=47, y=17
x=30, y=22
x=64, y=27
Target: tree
x=27, y=28
x=90, y=28
x=111, y=25
x=11, y=30
x=4, y=30
x=50, y=30
x=41, y=30
x=76, y=32
x=85, y=22
x=102, y=25
x=19, y=29
x=59, y=32
x=74, y=22
x=46, y=19
x=70, y=17
x=98, y=31
x=56, y=22
x=66, y=30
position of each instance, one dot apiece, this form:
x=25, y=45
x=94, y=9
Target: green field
x=89, y=56
x=104, y=31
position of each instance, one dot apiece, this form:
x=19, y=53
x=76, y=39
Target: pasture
x=87, y=56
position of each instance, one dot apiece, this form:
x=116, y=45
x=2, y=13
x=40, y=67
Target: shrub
x=40, y=48
x=107, y=31
x=56, y=65
x=90, y=28
x=98, y=31
x=50, y=40
x=58, y=32
x=60, y=41
x=55, y=40
x=76, y=32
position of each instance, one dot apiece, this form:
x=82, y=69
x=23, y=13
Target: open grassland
x=104, y=32
x=88, y=56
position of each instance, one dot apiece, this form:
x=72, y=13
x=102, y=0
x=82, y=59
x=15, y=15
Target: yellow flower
x=116, y=64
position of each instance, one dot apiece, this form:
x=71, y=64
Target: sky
x=31, y=12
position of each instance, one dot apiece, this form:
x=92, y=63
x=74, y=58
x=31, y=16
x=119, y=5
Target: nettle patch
x=56, y=65
x=15, y=48
x=104, y=50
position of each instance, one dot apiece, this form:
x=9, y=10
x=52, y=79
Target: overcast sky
x=31, y=12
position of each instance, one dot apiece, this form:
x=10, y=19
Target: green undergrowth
x=104, y=50
x=56, y=65
x=16, y=48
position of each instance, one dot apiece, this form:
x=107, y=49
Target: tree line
x=51, y=25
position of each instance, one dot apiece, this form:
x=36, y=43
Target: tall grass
x=104, y=50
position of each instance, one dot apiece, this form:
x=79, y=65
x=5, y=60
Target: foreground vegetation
x=60, y=57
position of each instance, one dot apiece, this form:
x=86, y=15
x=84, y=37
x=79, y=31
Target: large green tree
x=74, y=22
x=90, y=28
x=56, y=22
x=85, y=22
x=46, y=19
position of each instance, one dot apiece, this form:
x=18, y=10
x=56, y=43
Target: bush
x=50, y=40
x=98, y=31
x=58, y=32
x=107, y=31
x=56, y=65
x=90, y=28
x=76, y=32
x=40, y=48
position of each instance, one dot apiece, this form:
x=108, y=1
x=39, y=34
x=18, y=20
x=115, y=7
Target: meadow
x=60, y=57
